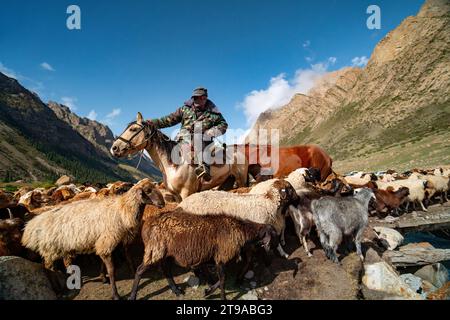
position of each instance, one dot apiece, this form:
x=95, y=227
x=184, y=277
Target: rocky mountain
x=40, y=142
x=102, y=138
x=95, y=132
x=393, y=112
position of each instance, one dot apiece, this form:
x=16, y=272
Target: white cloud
x=8, y=72
x=359, y=61
x=309, y=59
x=69, y=102
x=281, y=90
x=32, y=85
x=108, y=120
x=306, y=44
x=46, y=66
x=92, y=115
x=114, y=113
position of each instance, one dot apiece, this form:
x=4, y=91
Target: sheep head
x=120, y=187
x=150, y=193
x=267, y=237
x=286, y=191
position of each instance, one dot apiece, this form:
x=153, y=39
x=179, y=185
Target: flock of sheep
x=206, y=227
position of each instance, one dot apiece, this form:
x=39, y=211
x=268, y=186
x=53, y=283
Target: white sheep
x=442, y=172
x=359, y=178
x=267, y=208
x=440, y=184
x=301, y=215
x=297, y=178
x=90, y=226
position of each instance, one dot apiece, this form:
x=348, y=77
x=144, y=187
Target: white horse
x=180, y=179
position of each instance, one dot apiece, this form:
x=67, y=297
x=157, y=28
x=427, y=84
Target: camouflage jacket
x=212, y=121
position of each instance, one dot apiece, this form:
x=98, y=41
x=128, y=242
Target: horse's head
x=135, y=138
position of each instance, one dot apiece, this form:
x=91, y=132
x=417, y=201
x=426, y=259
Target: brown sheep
x=91, y=226
x=390, y=199
x=10, y=237
x=192, y=240
x=6, y=199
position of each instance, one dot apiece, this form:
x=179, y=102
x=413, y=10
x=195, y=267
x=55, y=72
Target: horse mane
x=160, y=139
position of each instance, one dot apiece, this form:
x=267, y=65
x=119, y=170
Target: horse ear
x=139, y=117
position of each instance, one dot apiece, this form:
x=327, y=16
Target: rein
x=148, y=136
x=142, y=127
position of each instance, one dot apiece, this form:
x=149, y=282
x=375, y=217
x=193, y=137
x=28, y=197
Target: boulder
x=442, y=293
x=417, y=254
x=63, y=180
x=353, y=265
x=193, y=281
x=21, y=279
x=413, y=282
x=390, y=238
x=251, y=295
x=436, y=274
x=382, y=277
x=372, y=256
x=427, y=287
x=249, y=275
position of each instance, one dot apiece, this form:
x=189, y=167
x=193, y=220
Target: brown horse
x=289, y=159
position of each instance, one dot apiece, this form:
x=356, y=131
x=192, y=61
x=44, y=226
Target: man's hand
x=211, y=133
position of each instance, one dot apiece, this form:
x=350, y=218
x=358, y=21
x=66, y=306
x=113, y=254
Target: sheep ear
x=139, y=118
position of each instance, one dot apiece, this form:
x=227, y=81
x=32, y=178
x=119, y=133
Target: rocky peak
x=399, y=99
x=434, y=8
x=95, y=132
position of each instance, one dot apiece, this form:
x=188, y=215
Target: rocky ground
x=299, y=277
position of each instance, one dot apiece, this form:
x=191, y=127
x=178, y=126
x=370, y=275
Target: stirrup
x=204, y=173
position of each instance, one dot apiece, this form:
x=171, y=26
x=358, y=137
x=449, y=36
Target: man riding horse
x=197, y=112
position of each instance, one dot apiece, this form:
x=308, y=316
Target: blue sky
x=147, y=56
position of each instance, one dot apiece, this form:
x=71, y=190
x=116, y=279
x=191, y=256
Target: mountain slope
x=393, y=112
x=37, y=145
x=102, y=138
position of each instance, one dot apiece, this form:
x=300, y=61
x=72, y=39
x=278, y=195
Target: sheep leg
x=324, y=242
x=421, y=204
x=305, y=245
x=166, y=267
x=407, y=206
x=212, y=288
x=302, y=238
x=107, y=260
x=221, y=283
x=358, y=239
x=334, y=240
x=129, y=259
x=282, y=252
x=139, y=272
x=221, y=272
x=102, y=275
x=248, y=253
x=282, y=240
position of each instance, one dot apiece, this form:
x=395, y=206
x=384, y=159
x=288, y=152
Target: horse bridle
x=147, y=136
